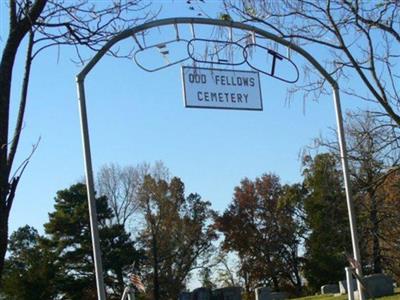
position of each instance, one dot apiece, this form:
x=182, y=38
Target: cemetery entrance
x=212, y=87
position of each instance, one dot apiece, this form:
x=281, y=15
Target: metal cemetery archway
x=220, y=23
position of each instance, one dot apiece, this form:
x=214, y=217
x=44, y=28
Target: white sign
x=227, y=89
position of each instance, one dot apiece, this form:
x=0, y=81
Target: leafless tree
x=358, y=42
x=82, y=24
x=227, y=271
x=121, y=186
x=372, y=144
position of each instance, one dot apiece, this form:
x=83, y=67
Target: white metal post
x=349, y=282
x=347, y=185
x=90, y=191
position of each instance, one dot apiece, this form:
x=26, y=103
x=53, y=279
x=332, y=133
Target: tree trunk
x=275, y=283
x=17, y=32
x=3, y=237
x=156, y=284
x=7, y=190
x=120, y=279
x=376, y=249
x=6, y=68
x=296, y=272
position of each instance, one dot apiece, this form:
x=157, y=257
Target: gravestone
x=228, y=293
x=185, y=296
x=343, y=286
x=201, y=294
x=263, y=293
x=379, y=285
x=330, y=289
x=279, y=296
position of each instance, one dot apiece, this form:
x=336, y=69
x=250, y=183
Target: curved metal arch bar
x=155, y=46
x=85, y=131
x=227, y=63
x=202, y=21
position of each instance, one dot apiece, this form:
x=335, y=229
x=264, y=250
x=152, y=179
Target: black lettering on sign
x=197, y=78
x=233, y=80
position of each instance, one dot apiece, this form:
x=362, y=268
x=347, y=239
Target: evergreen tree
x=69, y=239
x=326, y=220
x=30, y=272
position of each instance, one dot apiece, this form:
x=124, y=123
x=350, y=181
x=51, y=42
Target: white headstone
x=330, y=289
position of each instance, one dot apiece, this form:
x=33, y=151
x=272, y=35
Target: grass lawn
x=395, y=296
x=325, y=297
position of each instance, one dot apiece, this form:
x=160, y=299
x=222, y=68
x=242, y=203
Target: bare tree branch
x=362, y=38
x=22, y=105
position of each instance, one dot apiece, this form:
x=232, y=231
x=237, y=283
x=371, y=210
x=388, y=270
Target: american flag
x=137, y=283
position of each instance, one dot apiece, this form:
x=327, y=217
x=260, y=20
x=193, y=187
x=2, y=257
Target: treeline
x=175, y=234
x=291, y=237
